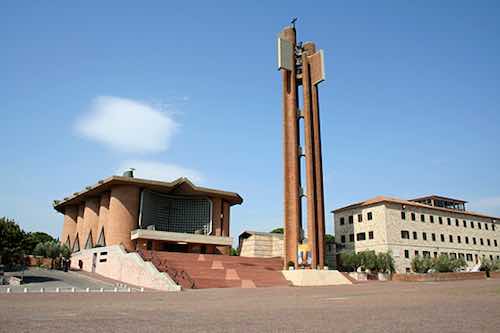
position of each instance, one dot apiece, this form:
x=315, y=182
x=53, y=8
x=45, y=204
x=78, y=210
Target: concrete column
x=216, y=216
x=103, y=215
x=292, y=205
x=225, y=218
x=123, y=215
x=69, y=225
x=318, y=166
x=312, y=230
x=90, y=220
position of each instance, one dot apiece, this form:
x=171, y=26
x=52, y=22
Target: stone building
x=426, y=226
x=147, y=214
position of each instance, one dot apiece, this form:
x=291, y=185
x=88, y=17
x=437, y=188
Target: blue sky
x=410, y=106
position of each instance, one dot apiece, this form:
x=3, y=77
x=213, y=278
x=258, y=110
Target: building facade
x=146, y=214
x=427, y=226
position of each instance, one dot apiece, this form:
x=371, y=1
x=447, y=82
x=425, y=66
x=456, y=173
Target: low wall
x=439, y=276
x=37, y=261
x=495, y=275
x=115, y=263
x=314, y=277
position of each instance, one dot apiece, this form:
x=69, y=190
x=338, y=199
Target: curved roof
x=179, y=186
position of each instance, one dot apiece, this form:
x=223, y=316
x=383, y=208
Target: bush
x=40, y=250
x=488, y=265
x=445, y=264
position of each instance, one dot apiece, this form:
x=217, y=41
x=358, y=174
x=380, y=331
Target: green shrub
x=421, y=264
x=368, y=261
x=350, y=261
x=488, y=265
x=385, y=262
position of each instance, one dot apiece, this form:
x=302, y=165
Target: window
x=433, y=237
x=405, y=234
x=351, y=219
x=342, y=239
x=479, y=225
x=449, y=221
x=360, y=217
x=451, y=238
x=369, y=216
x=342, y=221
x=481, y=241
x=415, y=235
x=440, y=220
x=472, y=224
x=495, y=242
x=488, y=242
x=457, y=223
x=361, y=236
x=416, y=253
x=403, y=215
x=476, y=258
x=465, y=224
x=435, y=254
x=370, y=235
x=426, y=254
x=424, y=236
x=351, y=237
x=442, y=238
x=466, y=240
x=407, y=254
x=408, y=270
x=469, y=257
x=486, y=226
x=431, y=218
x=461, y=256
x=413, y=216
x=491, y=257
x=422, y=217
x=474, y=240
x=459, y=239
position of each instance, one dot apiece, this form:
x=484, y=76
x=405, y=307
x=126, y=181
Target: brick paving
x=456, y=306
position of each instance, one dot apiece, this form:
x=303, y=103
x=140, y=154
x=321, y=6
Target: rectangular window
x=435, y=254
x=407, y=254
x=459, y=239
x=413, y=216
x=495, y=241
x=465, y=224
x=405, y=234
x=472, y=224
x=369, y=216
x=416, y=253
x=403, y=215
x=449, y=221
x=360, y=217
x=461, y=256
x=424, y=236
x=466, y=240
x=431, y=218
x=433, y=237
x=481, y=241
x=442, y=238
x=422, y=217
x=426, y=254
x=342, y=239
x=474, y=240
x=415, y=235
x=488, y=242
x=361, y=236
x=451, y=238
x=469, y=257
x=440, y=220
x=342, y=221
x=457, y=223
x=351, y=219
x=479, y=225
x=370, y=235
x=351, y=237
x=486, y=226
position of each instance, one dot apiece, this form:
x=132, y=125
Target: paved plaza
x=459, y=306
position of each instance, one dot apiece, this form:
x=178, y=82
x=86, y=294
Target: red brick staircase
x=196, y=271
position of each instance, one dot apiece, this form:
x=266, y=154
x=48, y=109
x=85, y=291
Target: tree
x=278, y=231
x=350, y=261
x=33, y=238
x=65, y=252
x=421, y=264
x=368, y=261
x=11, y=241
x=40, y=250
x=329, y=238
x=386, y=262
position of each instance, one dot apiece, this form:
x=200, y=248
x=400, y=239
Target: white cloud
x=127, y=125
x=159, y=171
